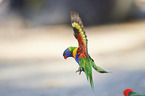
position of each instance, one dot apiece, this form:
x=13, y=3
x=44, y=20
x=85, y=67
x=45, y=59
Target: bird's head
x=127, y=91
x=68, y=52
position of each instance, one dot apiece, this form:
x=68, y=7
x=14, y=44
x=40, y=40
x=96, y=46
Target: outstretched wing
x=79, y=33
x=97, y=68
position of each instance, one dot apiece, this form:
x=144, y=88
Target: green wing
x=97, y=68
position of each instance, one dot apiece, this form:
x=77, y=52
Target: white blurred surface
x=31, y=61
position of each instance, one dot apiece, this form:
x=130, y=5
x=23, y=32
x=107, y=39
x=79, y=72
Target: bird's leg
x=80, y=69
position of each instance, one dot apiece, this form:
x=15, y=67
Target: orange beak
x=64, y=57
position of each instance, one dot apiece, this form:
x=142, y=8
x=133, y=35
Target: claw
x=80, y=69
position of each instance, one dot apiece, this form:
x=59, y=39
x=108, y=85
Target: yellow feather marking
x=77, y=26
x=75, y=52
x=74, y=24
x=84, y=61
x=83, y=36
x=69, y=49
x=80, y=30
x=82, y=33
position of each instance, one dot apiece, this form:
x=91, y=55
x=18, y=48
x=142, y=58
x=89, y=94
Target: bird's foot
x=80, y=69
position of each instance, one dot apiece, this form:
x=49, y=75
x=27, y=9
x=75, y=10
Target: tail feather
x=90, y=78
x=91, y=81
x=86, y=65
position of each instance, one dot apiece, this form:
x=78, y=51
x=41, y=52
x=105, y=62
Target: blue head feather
x=67, y=53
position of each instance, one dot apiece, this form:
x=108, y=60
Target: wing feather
x=79, y=33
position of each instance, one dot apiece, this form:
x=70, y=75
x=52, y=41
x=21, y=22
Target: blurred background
x=34, y=34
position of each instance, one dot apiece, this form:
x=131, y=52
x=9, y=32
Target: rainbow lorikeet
x=130, y=92
x=80, y=54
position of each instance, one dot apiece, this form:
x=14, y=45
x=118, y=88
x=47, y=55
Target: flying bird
x=80, y=53
x=130, y=92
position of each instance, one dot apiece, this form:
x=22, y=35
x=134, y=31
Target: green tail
x=91, y=81
x=88, y=72
x=90, y=78
x=86, y=65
